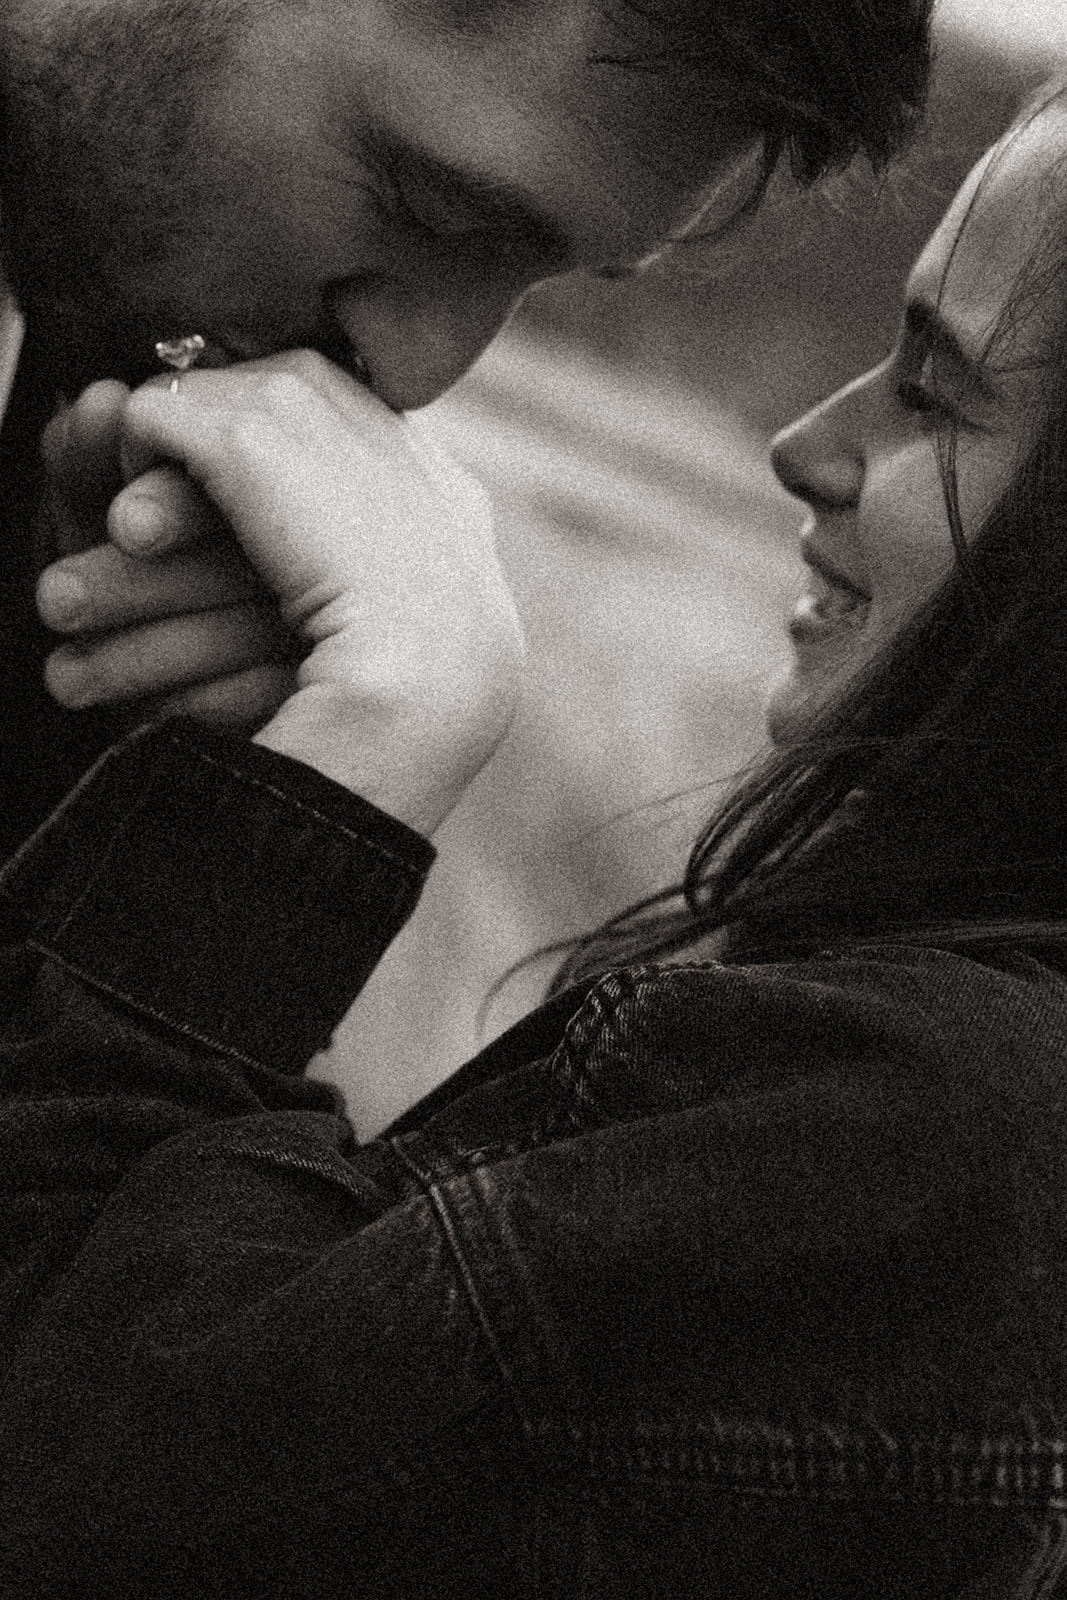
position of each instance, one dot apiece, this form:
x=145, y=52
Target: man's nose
x=416, y=340
x=820, y=457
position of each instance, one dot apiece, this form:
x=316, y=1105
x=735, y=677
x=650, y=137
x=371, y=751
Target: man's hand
x=378, y=550
x=161, y=610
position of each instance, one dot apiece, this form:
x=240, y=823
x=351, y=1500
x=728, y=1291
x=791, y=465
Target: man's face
x=375, y=178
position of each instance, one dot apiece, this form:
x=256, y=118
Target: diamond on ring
x=180, y=354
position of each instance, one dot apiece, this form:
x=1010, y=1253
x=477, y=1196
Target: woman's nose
x=819, y=458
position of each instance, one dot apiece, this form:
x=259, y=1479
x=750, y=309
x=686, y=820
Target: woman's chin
x=787, y=706
x=796, y=698
x=826, y=656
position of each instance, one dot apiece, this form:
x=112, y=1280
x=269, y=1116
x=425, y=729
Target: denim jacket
x=703, y=1280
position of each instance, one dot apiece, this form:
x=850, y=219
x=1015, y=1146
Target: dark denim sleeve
x=741, y=1276
x=221, y=890
x=184, y=933
x=222, y=1323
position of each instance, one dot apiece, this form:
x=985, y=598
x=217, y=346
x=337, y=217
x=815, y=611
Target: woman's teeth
x=829, y=601
x=823, y=610
x=836, y=604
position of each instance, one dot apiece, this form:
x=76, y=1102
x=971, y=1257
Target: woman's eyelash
x=914, y=397
x=917, y=388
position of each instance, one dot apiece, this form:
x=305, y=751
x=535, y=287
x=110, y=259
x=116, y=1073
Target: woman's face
x=876, y=541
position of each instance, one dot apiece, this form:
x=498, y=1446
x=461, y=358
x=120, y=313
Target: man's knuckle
x=65, y=598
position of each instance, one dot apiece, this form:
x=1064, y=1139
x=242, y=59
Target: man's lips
x=335, y=347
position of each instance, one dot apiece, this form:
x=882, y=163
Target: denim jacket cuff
x=224, y=891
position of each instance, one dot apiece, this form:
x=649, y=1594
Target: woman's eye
x=913, y=397
x=917, y=389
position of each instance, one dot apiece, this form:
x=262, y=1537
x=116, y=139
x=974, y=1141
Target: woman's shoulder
x=691, y=1031
x=890, y=1035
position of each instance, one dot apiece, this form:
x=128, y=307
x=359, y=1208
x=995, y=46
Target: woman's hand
x=165, y=615
x=380, y=555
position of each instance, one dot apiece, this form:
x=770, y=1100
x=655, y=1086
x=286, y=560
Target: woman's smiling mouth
x=830, y=604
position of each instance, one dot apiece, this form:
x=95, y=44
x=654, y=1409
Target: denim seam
x=433, y=1193
x=365, y=1191
x=583, y=1032
x=289, y=803
x=144, y=1009
x=558, y=1123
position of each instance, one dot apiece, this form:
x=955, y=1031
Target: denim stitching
x=299, y=805
x=598, y=1014
x=599, y=1008
x=369, y=1194
x=756, y=1459
x=147, y=1010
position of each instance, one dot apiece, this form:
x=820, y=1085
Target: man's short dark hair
x=822, y=81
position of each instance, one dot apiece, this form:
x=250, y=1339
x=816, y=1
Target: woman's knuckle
x=283, y=389
x=140, y=407
x=306, y=365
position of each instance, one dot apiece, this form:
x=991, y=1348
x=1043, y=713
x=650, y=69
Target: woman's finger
x=328, y=492
x=162, y=658
x=103, y=589
x=159, y=512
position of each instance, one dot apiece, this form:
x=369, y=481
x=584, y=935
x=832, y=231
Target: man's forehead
x=521, y=112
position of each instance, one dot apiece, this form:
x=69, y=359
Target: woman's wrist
x=397, y=756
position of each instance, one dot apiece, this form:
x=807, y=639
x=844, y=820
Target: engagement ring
x=180, y=355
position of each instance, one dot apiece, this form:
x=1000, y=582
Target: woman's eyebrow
x=924, y=322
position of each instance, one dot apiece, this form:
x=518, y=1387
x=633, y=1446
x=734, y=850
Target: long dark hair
x=930, y=801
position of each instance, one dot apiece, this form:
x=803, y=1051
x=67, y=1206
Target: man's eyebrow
x=925, y=323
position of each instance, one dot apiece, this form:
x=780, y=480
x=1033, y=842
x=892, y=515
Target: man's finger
x=81, y=445
x=163, y=658
x=241, y=702
x=103, y=589
x=159, y=512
